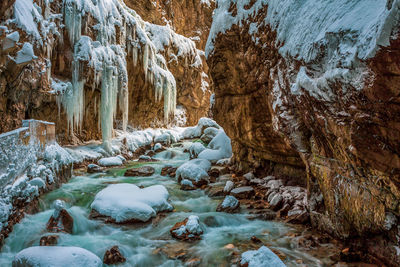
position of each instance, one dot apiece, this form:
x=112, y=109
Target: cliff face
x=315, y=86
x=74, y=47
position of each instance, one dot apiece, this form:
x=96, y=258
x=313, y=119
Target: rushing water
x=140, y=244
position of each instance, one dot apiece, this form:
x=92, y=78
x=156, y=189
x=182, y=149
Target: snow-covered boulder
x=209, y=134
x=228, y=186
x=261, y=257
x=195, y=149
x=158, y=147
x=93, y=168
x=164, y=139
x=128, y=203
x=55, y=256
x=187, y=185
x=187, y=230
x=230, y=204
x=219, y=148
x=194, y=170
x=111, y=161
x=198, y=130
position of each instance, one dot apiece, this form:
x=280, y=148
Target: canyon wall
x=314, y=87
x=55, y=56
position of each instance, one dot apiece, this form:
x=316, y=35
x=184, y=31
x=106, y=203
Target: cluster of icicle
x=107, y=59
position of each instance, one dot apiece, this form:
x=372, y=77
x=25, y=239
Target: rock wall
x=318, y=91
x=35, y=88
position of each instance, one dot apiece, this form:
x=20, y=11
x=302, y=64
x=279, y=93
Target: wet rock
x=255, y=239
x=175, y=251
x=93, y=168
x=48, y=240
x=266, y=215
x=228, y=187
x=144, y=158
x=230, y=204
x=113, y=256
x=297, y=216
x=276, y=202
x=243, y=192
x=210, y=221
x=60, y=220
x=168, y=170
x=249, y=176
x=193, y=262
x=150, y=153
x=215, y=190
x=187, y=230
x=213, y=173
x=158, y=148
x=187, y=185
x=141, y=171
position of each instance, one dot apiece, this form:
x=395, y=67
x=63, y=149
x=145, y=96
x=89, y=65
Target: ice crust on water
x=55, y=256
x=125, y=202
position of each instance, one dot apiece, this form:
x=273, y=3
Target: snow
x=157, y=147
x=110, y=161
x=26, y=54
x=194, y=170
x=229, y=202
x=261, y=257
x=228, y=186
x=195, y=149
x=56, y=256
x=219, y=148
x=198, y=130
x=125, y=202
x=192, y=227
x=26, y=15
x=304, y=25
x=13, y=36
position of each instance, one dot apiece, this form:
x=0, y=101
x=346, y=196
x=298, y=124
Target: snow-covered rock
x=188, y=230
x=261, y=257
x=229, y=204
x=228, y=186
x=164, y=139
x=198, y=130
x=55, y=256
x=157, y=147
x=187, y=185
x=209, y=134
x=219, y=148
x=195, y=149
x=194, y=170
x=110, y=161
x=128, y=202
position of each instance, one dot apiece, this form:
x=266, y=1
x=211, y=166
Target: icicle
x=145, y=60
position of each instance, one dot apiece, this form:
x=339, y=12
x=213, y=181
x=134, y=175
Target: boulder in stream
x=60, y=220
x=187, y=230
x=140, y=171
x=93, y=168
x=113, y=256
x=110, y=162
x=56, y=256
x=243, y=192
x=168, y=170
x=49, y=240
x=230, y=204
x=261, y=257
x=127, y=203
x=194, y=170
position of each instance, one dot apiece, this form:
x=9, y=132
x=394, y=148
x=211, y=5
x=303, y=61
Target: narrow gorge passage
x=151, y=244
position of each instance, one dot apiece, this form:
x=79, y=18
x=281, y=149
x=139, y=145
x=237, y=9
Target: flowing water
x=141, y=245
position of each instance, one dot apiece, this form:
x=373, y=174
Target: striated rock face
x=149, y=67
x=319, y=91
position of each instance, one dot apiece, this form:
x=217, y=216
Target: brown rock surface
x=113, y=256
x=141, y=171
x=346, y=148
x=63, y=223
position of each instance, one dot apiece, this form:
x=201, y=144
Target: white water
x=137, y=243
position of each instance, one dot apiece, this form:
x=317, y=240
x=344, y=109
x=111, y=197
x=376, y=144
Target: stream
x=145, y=244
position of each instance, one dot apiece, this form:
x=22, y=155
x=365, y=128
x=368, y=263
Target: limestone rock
x=140, y=171
x=113, y=256
x=242, y=192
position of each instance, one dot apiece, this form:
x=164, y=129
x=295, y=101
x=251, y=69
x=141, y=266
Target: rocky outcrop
x=48, y=82
x=315, y=95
